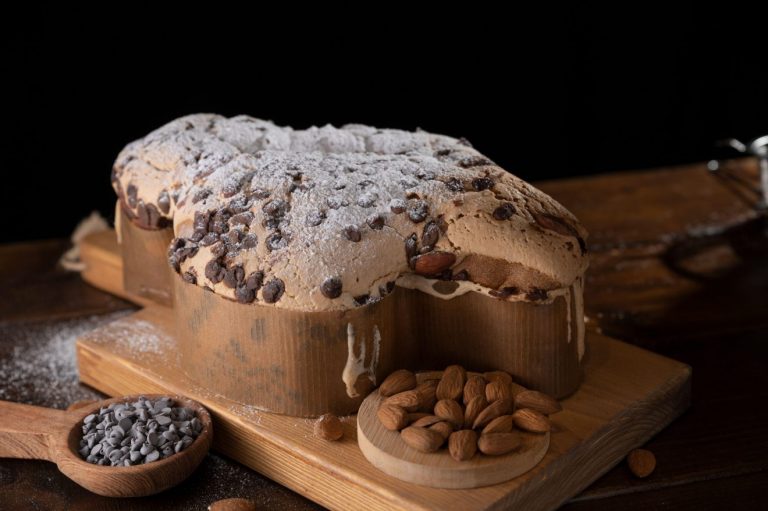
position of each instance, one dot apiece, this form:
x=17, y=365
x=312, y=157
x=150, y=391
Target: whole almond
x=537, y=401
x=399, y=381
x=462, y=445
x=408, y=400
x=515, y=389
x=433, y=262
x=502, y=424
x=422, y=439
x=328, y=427
x=474, y=407
x=495, y=444
x=444, y=428
x=501, y=376
x=475, y=386
x=641, y=462
x=427, y=421
x=451, y=385
x=493, y=410
x=393, y=417
x=427, y=395
x=450, y=410
x=531, y=420
x=497, y=390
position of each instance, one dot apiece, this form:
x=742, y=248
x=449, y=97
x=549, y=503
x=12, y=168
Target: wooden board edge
x=674, y=398
x=341, y=492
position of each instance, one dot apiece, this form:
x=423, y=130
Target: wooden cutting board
x=628, y=395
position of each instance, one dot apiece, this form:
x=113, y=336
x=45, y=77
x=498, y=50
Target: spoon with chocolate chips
x=128, y=446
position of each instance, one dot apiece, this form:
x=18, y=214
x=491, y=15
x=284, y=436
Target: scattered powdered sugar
x=136, y=336
x=39, y=365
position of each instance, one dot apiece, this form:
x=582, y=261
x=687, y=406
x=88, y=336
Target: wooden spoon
x=33, y=432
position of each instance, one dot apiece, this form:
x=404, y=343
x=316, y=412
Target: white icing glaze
x=427, y=285
x=578, y=298
x=355, y=366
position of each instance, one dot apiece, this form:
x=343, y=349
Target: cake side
x=331, y=218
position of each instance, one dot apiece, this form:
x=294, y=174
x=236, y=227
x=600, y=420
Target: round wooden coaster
x=387, y=452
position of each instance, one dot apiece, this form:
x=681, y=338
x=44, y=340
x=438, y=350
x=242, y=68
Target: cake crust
x=331, y=218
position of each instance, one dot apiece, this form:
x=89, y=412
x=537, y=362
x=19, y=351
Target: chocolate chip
x=482, y=183
x=362, y=299
x=375, y=222
x=504, y=212
x=474, y=161
x=244, y=295
x=331, y=287
x=201, y=220
x=239, y=204
x=390, y=286
x=232, y=237
x=231, y=186
x=352, y=233
x=536, y=294
x=276, y=241
x=315, y=218
x=201, y=195
x=198, y=235
x=164, y=202
x=397, y=206
x=455, y=185
x=234, y=276
x=131, y=193
x=244, y=218
x=445, y=274
x=430, y=235
x=259, y=193
x=460, y=275
x=254, y=280
x=443, y=152
x=411, y=247
x=273, y=290
x=275, y=208
x=219, y=249
x=141, y=214
x=214, y=271
x=418, y=211
x=209, y=239
x=190, y=277
x=250, y=240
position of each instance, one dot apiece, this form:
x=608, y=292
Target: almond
x=434, y=262
x=516, y=389
x=641, y=462
x=537, y=401
x=462, y=444
x=452, y=383
x=497, y=390
x=427, y=421
x=475, y=386
x=408, y=400
x=397, y=382
x=413, y=417
x=493, y=410
x=531, y=420
x=474, y=407
x=427, y=395
x=422, y=439
x=393, y=417
x=328, y=427
x=450, y=410
x=501, y=376
x=502, y=424
x=444, y=428
x=495, y=444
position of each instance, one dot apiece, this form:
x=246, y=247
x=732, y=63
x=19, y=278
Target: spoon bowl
x=33, y=432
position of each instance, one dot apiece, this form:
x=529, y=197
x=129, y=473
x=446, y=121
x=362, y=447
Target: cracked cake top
x=331, y=218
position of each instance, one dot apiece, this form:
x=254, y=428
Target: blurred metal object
x=757, y=147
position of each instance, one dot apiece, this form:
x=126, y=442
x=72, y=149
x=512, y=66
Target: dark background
x=548, y=96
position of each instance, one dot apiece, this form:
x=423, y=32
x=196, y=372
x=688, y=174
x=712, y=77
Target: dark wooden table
x=679, y=266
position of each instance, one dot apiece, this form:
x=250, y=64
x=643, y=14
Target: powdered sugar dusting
x=136, y=336
x=42, y=366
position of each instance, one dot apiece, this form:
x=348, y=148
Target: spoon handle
x=25, y=430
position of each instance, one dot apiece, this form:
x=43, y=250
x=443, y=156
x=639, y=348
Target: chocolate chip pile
x=470, y=412
x=125, y=434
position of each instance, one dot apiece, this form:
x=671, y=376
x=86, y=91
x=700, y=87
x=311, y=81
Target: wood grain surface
x=719, y=322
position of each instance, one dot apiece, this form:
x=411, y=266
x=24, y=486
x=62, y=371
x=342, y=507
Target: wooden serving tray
x=628, y=395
